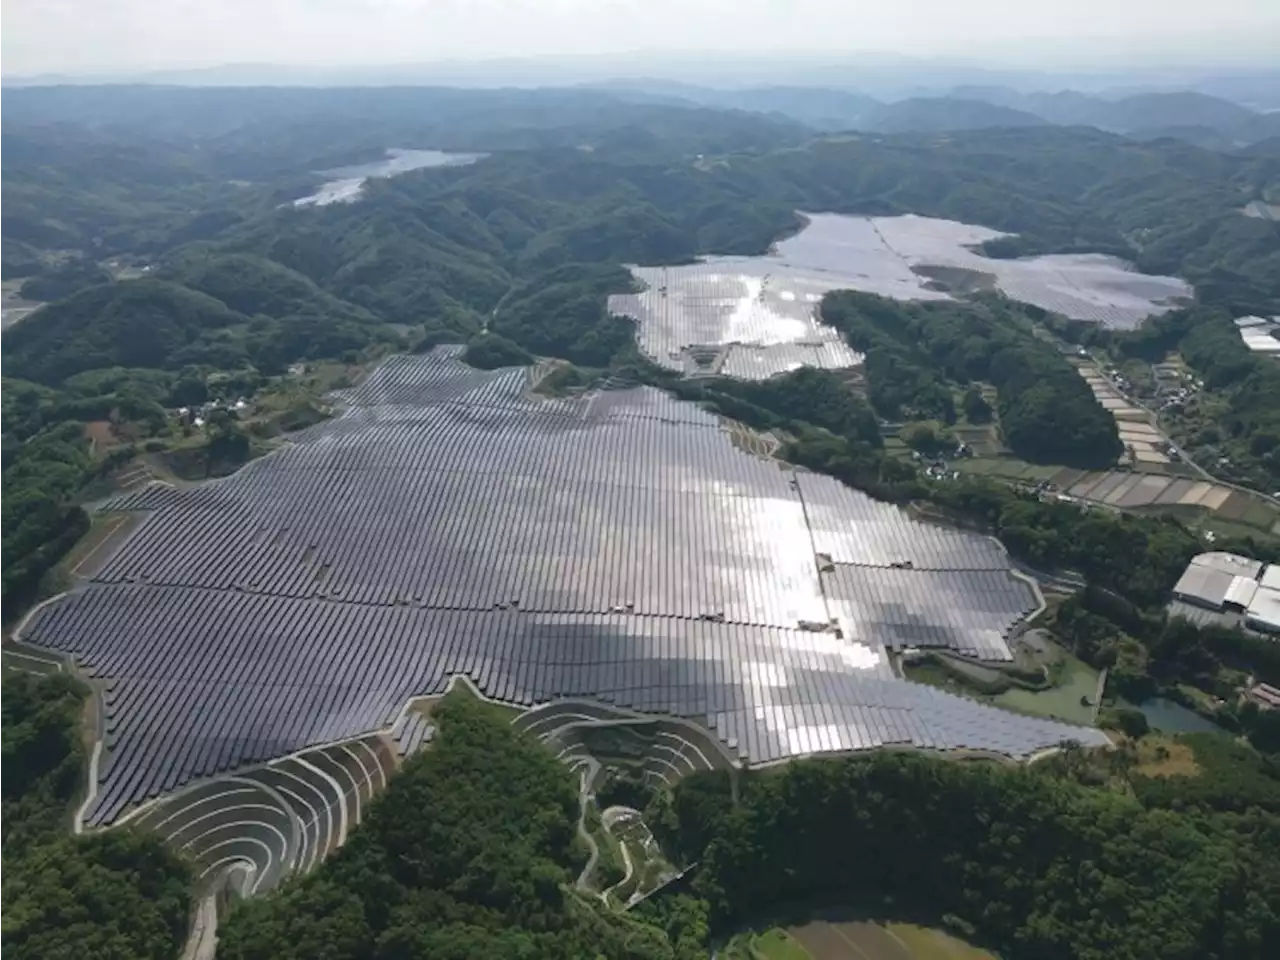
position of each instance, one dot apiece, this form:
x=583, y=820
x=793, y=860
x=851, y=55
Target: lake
x=345, y=183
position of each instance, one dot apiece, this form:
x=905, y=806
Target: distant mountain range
x=1224, y=110
x=1188, y=115
x=886, y=77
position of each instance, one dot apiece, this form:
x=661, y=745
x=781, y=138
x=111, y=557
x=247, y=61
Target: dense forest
x=115, y=896
x=917, y=353
x=1031, y=863
x=471, y=852
x=42, y=474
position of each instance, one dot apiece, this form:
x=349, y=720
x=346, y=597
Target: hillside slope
x=944, y=115
x=135, y=323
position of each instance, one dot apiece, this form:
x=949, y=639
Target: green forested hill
x=222, y=311
x=114, y=896
x=471, y=852
x=1036, y=866
x=253, y=285
x=917, y=352
x=135, y=323
x=943, y=114
x=465, y=232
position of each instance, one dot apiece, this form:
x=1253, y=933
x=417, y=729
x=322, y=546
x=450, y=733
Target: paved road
x=202, y=942
x=584, y=797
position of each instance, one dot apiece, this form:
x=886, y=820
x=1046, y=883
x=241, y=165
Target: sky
x=92, y=36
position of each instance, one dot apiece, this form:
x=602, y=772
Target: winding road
x=584, y=797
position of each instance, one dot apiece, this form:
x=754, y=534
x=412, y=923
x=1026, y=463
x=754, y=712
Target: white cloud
x=84, y=35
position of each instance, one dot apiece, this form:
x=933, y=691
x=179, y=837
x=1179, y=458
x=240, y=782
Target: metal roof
x=1264, y=611
x=1241, y=591
x=1231, y=563
x=1204, y=585
x=1271, y=576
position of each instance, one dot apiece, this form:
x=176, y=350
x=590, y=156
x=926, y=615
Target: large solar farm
x=618, y=565
x=754, y=317
x=615, y=549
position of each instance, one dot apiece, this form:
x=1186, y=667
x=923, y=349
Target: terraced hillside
x=260, y=825
x=584, y=733
x=616, y=546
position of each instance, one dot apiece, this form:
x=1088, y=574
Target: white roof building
x=1203, y=586
x=1230, y=563
x=1271, y=577
x=1260, y=341
x=1264, y=612
x=1241, y=592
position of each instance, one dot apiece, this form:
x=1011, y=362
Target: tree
x=976, y=409
x=119, y=895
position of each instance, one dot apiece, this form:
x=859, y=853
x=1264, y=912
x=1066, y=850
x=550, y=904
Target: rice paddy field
x=1181, y=495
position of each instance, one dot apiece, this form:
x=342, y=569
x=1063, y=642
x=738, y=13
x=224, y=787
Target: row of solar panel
x=474, y=505
x=412, y=386
x=670, y=555
x=969, y=611
x=410, y=732
x=212, y=680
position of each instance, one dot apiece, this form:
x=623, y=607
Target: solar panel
x=619, y=546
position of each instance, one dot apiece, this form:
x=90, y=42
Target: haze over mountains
x=1224, y=109
x=1189, y=115
x=883, y=76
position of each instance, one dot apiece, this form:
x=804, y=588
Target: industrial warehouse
x=1229, y=590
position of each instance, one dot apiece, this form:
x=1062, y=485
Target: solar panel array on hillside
x=616, y=546
x=754, y=317
x=740, y=317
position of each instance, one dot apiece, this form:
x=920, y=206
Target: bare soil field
x=101, y=434
x=864, y=940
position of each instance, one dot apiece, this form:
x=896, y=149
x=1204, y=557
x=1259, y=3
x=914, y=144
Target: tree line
x=470, y=852
x=117, y=895
x=918, y=353
x=1031, y=864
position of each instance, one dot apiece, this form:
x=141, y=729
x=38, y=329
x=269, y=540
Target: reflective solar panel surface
x=616, y=546
x=753, y=317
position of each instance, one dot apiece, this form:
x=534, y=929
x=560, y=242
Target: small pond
x=1169, y=716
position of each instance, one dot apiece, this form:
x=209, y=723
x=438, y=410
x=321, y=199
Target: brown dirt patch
x=854, y=940
x=1235, y=506
x=1160, y=756
x=100, y=433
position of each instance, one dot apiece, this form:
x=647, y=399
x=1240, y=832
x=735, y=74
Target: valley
x=617, y=520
